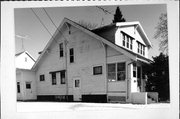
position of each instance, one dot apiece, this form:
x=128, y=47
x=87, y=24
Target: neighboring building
x=25, y=78
x=100, y=65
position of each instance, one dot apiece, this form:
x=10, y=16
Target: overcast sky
x=26, y=24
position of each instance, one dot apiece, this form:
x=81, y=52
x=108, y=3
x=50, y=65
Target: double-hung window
x=53, y=74
x=62, y=75
x=18, y=87
x=61, y=50
x=112, y=72
x=127, y=41
x=141, y=48
x=71, y=55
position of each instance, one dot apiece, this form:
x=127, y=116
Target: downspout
x=66, y=72
x=66, y=65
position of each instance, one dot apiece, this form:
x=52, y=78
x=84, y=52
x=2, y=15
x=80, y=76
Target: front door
x=29, y=92
x=77, y=89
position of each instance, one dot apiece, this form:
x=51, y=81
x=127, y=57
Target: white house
x=100, y=65
x=25, y=77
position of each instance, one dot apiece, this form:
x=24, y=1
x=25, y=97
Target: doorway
x=77, y=89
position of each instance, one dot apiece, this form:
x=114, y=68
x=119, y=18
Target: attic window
x=25, y=59
x=141, y=48
x=127, y=41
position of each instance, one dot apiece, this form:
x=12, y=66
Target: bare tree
x=162, y=33
x=88, y=25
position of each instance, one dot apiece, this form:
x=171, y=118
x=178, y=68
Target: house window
x=141, y=48
x=28, y=85
x=116, y=72
x=61, y=51
x=62, y=75
x=25, y=59
x=134, y=70
x=121, y=73
x=53, y=74
x=97, y=70
x=124, y=40
x=77, y=83
x=18, y=87
x=42, y=78
x=71, y=54
x=127, y=41
x=111, y=72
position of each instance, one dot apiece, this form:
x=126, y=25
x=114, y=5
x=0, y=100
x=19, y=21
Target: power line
x=42, y=22
x=54, y=24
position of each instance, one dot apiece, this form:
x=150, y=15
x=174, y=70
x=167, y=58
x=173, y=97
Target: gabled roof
x=18, y=54
x=139, y=29
x=89, y=32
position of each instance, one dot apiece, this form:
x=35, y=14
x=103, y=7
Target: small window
x=42, y=78
x=61, y=51
x=53, y=78
x=62, y=75
x=77, y=83
x=134, y=70
x=28, y=85
x=71, y=54
x=97, y=70
x=25, y=59
x=18, y=87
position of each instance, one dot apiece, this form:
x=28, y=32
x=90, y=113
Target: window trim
x=94, y=73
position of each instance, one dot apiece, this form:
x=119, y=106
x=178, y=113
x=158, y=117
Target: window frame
x=42, y=77
x=28, y=85
x=122, y=71
x=71, y=55
x=127, y=41
x=54, y=78
x=61, y=50
x=141, y=48
x=116, y=72
x=97, y=73
x=18, y=87
x=63, y=81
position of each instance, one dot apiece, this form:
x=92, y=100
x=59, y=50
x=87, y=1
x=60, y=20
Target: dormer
x=128, y=35
x=131, y=36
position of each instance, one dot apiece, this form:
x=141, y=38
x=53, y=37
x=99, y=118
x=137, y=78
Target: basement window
x=97, y=70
